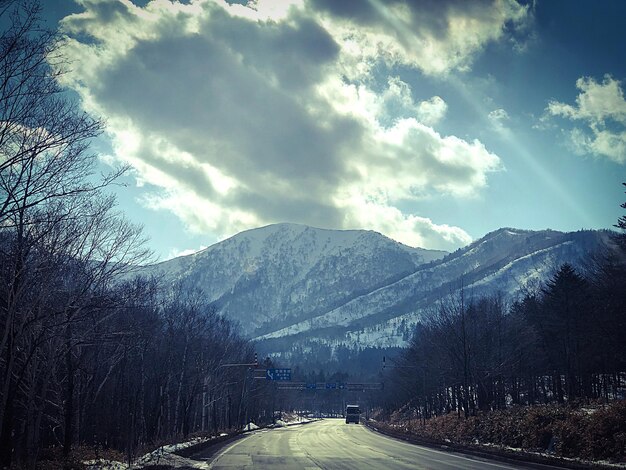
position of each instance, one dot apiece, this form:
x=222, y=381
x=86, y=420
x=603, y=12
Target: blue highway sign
x=278, y=374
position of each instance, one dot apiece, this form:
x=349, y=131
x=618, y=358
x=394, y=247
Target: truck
x=353, y=414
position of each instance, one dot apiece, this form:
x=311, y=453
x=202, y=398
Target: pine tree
x=566, y=312
x=620, y=238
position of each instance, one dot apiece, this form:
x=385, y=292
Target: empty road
x=332, y=444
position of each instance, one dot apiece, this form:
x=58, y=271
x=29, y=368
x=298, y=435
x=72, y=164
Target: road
x=332, y=444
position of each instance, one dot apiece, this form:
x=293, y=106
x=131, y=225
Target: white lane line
x=224, y=450
x=448, y=454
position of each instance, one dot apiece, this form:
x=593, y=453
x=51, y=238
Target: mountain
x=505, y=261
x=275, y=276
x=296, y=289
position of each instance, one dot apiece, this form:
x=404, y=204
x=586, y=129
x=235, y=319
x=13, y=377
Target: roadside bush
x=605, y=434
x=592, y=433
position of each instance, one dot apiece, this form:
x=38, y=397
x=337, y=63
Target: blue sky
x=432, y=122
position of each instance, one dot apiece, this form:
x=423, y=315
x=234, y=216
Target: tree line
x=90, y=354
x=562, y=341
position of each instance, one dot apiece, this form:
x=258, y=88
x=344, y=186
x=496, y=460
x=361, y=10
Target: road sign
x=278, y=374
x=365, y=386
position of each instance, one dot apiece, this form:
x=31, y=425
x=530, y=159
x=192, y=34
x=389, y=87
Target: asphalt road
x=332, y=444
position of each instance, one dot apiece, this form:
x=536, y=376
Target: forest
x=89, y=354
x=544, y=373
x=557, y=342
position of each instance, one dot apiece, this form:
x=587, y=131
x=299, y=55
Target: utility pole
x=204, y=404
x=248, y=366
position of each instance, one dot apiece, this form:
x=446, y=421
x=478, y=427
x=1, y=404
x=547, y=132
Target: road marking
x=450, y=453
x=224, y=450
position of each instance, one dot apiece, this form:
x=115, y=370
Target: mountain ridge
x=544, y=261
x=290, y=259
x=293, y=283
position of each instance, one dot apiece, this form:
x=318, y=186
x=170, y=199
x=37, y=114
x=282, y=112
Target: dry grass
x=593, y=433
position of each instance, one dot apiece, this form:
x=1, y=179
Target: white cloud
x=410, y=230
x=597, y=103
x=431, y=111
x=244, y=116
x=602, y=107
x=498, y=116
x=175, y=252
x=385, y=108
x=498, y=119
x=434, y=37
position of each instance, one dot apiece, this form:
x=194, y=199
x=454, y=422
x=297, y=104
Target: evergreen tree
x=566, y=314
x=620, y=238
x=607, y=271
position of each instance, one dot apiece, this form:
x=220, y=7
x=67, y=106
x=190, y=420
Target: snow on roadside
x=164, y=455
x=102, y=464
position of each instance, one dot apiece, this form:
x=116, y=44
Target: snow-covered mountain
x=294, y=287
x=275, y=276
x=506, y=261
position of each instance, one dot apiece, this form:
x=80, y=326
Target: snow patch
x=164, y=455
x=250, y=426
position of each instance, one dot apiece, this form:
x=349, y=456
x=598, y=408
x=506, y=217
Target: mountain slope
x=285, y=273
x=295, y=288
x=502, y=262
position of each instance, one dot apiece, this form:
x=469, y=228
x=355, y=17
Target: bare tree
x=44, y=137
x=61, y=240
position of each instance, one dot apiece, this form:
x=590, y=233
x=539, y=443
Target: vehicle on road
x=353, y=414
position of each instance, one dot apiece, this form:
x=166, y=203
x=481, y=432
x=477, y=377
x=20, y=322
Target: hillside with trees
x=560, y=344
x=84, y=358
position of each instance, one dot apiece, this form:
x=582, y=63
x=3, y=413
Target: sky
x=432, y=122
